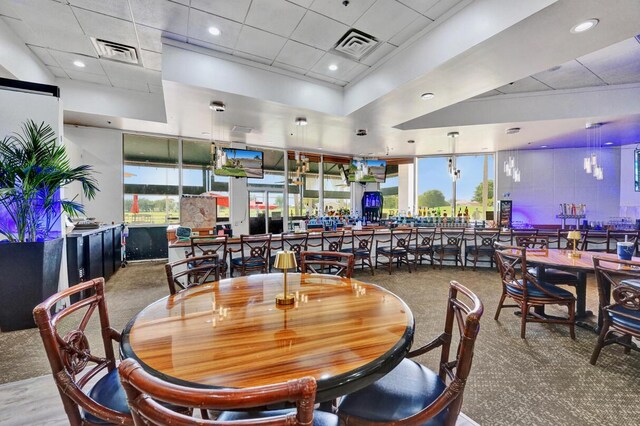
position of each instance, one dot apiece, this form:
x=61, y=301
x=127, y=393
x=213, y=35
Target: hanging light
x=454, y=172
x=591, y=163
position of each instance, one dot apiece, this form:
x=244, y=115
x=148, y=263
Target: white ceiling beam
x=19, y=61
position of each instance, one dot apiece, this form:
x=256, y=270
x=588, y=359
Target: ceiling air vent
x=241, y=129
x=116, y=51
x=356, y=44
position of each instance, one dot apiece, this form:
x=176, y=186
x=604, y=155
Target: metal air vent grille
x=116, y=51
x=355, y=44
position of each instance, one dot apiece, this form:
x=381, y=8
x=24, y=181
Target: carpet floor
x=545, y=379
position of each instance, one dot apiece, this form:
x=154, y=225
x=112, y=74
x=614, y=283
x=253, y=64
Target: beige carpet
x=543, y=380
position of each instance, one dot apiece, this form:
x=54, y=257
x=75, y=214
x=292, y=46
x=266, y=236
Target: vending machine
x=372, y=206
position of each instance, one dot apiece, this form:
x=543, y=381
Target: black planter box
x=29, y=273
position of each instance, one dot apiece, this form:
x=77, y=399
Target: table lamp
x=575, y=236
x=285, y=260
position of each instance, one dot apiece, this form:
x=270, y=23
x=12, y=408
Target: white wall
x=553, y=176
x=629, y=198
x=101, y=149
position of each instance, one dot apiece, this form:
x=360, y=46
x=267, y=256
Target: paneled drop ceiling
x=297, y=35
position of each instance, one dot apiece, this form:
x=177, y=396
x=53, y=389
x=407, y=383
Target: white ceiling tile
x=107, y=27
x=303, y=3
x=353, y=72
x=118, y=8
x=344, y=66
x=440, y=8
x=199, y=23
x=527, y=84
x=119, y=70
x=151, y=60
x=299, y=55
x=58, y=72
x=385, y=19
x=568, y=76
x=320, y=77
x=59, y=40
x=340, y=83
x=185, y=2
x=49, y=15
x=231, y=9
x=420, y=6
x=410, y=30
x=616, y=64
x=379, y=52
x=91, y=78
x=211, y=46
x=66, y=59
x=258, y=42
x=161, y=14
x=44, y=55
x=275, y=16
x=319, y=31
x=7, y=10
x=346, y=15
x=253, y=58
x=289, y=68
x=130, y=84
x=151, y=38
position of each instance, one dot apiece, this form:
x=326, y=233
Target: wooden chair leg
x=504, y=295
x=627, y=340
x=523, y=320
x=572, y=318
x=600, y=342
x=390, y=264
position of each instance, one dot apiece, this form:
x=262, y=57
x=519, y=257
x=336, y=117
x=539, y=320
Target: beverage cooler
x=372, y=205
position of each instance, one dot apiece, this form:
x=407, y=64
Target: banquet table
x=559, y=259
x=343, y=332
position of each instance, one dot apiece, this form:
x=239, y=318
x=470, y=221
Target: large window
x=389, y=189
x=304, y=198
x=198, y=176
x=151, y=180
x=337, y=193
x=471, y=193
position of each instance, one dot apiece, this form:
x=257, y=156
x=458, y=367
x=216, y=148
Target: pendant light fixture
x=302, y=161
x=592, y=162
x=454, y=172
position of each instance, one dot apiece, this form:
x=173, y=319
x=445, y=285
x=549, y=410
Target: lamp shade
x=285, y=260
x=574, y=235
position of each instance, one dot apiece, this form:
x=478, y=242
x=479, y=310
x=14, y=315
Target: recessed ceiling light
x=543, y=146
x=608, y=143
x=215, y=31
x=78, y=63
x=217, y=106
x=301, y=121
x=411, y=141
x=584, y=26
x=333, y=67
x=427, y=96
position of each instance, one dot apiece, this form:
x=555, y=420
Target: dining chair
x=255, y=251
x=412, y=394
x=315, y=262
x=361, y=244
x=192, y=271
x=329, y=241
x=619, y=279
x=144, y=391
x=551, y=275
x=614, y=237
x=450, y=247
x=425, y=239
x=529, y=232
x=295, y=242
x=73, y=362
x=594, y=241
x=204, y=245
x=527, y=292
x=395, y=249
x=483, y=246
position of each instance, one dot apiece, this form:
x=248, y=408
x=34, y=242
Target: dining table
x=231, y=334
x=560, y=259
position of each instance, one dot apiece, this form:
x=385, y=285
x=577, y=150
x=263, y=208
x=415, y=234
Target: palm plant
x=33, y=167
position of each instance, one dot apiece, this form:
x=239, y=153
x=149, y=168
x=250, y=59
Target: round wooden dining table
x=343, y=332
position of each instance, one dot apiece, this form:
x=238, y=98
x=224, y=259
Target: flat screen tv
x=365, y=171
x=239, y=163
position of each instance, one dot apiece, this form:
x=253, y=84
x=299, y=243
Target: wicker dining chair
x=412, y=394
x=619, y=279
x=74, y=364
x=337, y=263
x=255, y=251
x=527, y=292
x=143, y=392
x=192, y=271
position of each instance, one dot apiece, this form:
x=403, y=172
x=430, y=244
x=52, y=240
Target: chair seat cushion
x=423, y=249
x=249, y=263
x=394, y=250
x=623, y=320
x=556, y=276
x=357, y=252
x=108, y=392
x=446, y=248
x=484, y=250
x=632, y=282
x=534, y=291
x=406, y=390
x=320, y=418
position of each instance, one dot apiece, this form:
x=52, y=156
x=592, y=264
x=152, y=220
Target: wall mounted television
x=240, y=163
x=366, y=171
